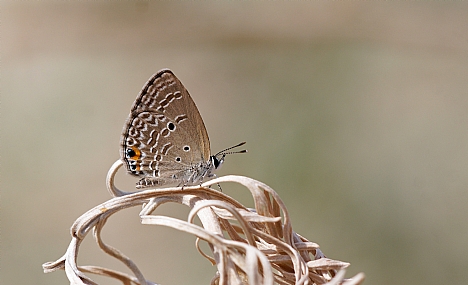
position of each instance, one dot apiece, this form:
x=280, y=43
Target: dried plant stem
x=248, y=246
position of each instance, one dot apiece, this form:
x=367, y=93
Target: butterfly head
x=217, y=160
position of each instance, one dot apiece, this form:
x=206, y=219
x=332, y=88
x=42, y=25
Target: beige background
x=356, y=113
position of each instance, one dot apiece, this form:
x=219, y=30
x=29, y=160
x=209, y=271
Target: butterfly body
x=164, y=140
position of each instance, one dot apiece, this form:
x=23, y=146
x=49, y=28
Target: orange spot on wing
x=137, y=155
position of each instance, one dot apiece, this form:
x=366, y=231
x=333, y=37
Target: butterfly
x=164, y=140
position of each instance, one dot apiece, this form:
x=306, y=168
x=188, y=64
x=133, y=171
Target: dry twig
x=248, y=246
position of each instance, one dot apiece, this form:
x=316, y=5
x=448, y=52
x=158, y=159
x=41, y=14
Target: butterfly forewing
x=164, y=134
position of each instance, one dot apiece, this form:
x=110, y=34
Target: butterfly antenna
x=223, y=152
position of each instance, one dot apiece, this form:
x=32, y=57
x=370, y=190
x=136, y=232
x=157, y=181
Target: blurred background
x=356, y=113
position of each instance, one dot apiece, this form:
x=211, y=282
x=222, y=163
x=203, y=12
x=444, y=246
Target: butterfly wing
x=164, y=133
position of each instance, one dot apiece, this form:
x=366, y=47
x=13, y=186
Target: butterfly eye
x=215, y=162
x=133, y=153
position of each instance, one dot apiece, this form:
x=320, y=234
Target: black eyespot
x=178, y=159
x=133, y=153
x=130, y=153
x=171, y=126
x=132, y=167
x=186, y=148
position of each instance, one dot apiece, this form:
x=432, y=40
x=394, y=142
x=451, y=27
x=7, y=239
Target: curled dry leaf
x=249, y=246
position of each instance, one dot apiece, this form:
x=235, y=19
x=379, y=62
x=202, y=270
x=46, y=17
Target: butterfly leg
x=212, y=175
x=146, y=182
